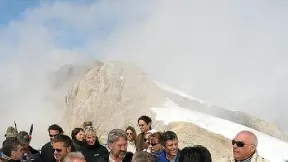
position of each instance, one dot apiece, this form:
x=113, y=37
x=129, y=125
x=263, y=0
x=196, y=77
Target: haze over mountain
x=232, y=54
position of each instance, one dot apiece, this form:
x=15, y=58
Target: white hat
x=152, y=131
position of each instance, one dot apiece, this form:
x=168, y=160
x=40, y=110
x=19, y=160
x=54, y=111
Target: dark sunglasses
x=129, y=134
x=154, y=144
x=238, y=143
x=57, y=150
x=53, y=135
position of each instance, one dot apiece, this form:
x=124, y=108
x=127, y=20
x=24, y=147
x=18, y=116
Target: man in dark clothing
x=92, y=150
x=30, y=154
x=47, y=150
x=62, y=145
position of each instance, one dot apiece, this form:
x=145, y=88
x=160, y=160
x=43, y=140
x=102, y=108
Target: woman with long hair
x=131, y=137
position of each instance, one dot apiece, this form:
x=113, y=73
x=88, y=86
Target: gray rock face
x=112, y=96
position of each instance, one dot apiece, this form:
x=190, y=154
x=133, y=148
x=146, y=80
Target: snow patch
x=269, y=147
x=169, y=103
x=180, y=93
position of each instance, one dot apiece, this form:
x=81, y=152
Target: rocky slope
x=115, y=94
x=112, y=95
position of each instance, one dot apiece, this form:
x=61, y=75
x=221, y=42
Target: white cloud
x=230, y=53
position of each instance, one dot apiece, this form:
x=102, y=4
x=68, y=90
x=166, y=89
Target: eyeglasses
x=51, y=135
x=129, y=134
x=57, y=150
x=238, y=143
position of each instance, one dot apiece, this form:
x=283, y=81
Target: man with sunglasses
x=47, y=150
x=62, y=145
x=244, y=148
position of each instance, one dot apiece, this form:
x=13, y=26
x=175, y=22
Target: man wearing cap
x=30, y=154
x=11, y=133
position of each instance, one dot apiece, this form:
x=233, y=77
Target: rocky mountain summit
x=114, y=94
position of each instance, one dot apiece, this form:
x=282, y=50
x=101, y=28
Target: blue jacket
x=162, y=157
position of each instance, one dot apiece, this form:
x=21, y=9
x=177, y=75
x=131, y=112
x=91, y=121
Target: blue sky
x=13, y=9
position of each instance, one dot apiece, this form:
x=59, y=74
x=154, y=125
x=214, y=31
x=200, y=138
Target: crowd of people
x=83, y=145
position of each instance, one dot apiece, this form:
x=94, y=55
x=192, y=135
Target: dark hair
x=63, y=138
x=55, y=127
x=75, y=131
x=196, y=153
x=132, y=130
x=166, y=136
x=9, y=146
x=143, y=156
x=146, y=119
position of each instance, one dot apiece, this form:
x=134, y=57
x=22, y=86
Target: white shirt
x=131, y=147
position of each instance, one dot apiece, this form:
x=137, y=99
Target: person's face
x=53, y=133
x=18, y=154
x=90, y=139
x=60, y=151
x=171, y=147
x=242, y=147
x=80, y=136
x=119, y=147
x=130, y=135
x=155, y=144
x=144, y=127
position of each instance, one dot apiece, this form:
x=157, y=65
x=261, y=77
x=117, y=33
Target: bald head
x=248, y=137
x=244, y=145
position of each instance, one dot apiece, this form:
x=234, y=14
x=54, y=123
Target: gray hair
x=74, y=155
x=115, y=134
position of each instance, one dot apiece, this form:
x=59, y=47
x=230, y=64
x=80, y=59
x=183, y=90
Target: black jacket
x=95, y=153
x=78, y=145
x=47, y=153
x=32, y=156
x=128, y=157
